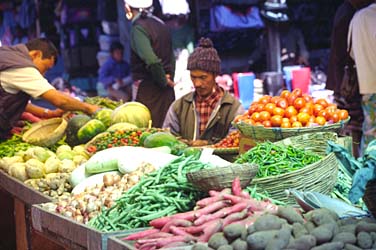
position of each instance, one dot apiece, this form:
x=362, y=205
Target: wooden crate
x=68, y=232
x=21, y=191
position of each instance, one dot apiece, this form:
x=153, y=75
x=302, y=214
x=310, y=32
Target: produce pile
x=44, y=170
x=233, y=220
x=230, y=141
x=273, y=159
x=292, y=110
x=95, y=195
x=162, y=192
x=103, y=102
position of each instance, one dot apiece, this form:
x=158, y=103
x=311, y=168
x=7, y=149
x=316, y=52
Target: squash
x=89, y=130
x=160, y=139
x=132, y=112
x=74, y=124
x=104, y=115
x=121, y=126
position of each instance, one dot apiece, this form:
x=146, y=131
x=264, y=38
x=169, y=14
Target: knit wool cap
x=205, y=57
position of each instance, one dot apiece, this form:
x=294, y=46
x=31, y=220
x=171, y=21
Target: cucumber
x=95, y=167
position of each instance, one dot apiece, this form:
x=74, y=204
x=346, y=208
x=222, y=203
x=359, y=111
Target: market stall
x=112, y=181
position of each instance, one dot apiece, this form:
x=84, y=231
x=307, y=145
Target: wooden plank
x=21, y=191
x=116, y=244
x=21, y=229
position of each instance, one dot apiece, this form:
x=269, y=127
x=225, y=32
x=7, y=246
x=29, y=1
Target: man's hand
x=169, y=81
x=54, y=113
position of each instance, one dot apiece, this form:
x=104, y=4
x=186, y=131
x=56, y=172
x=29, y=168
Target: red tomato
x=265, y=99
x=317, y=108
x=264, y=116
x=343, y=114
x=307, y=98
x=255, y=116
x=303, y=118
x=285, y=124
x=306, y=110
x=260, y=107
x=299, y=103
x=296, y=124
x=276, y=120
x=291, y=99
x=293, y=119
x=279, y=111
x=320, y=120
x=275, y=99
x=285, y=94
x=282, y=103
x=322, y=102
x=267, y=124
x=335, y=117
x=252, y=109
x=270, y=107
x=298, y=92
x=290, y=111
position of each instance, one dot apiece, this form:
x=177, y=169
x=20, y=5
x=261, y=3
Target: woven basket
x=222, y=177
x=46, y=133
x=320, y=176
x=261, y=133
x=369, y=197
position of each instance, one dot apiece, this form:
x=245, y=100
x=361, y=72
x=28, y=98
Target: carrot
x=234, y=217
x=175, y=222
x=220, y=213
x=179, y=231
x=212, y=228
x=236, y=186
x=142, y=234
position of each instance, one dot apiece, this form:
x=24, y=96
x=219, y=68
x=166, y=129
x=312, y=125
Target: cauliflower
x=52, y=165
x=67, y=166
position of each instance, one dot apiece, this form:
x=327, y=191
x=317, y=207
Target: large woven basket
x=219, y=178
x=369, y=197
x=46, y=133
x=320, y=176
x=260, y=133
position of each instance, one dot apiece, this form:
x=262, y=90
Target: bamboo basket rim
x=46, y=132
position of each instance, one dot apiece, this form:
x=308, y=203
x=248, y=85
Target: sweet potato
x=364, y=240
x=224, y=191
x=345, y=237
x=330, y=246
x=165, y=241
x=217, y=240
x=304, y=242
x=176, y=244
x=268, y=222
x=157, y=235
x=209, y=200
x=175, y=222
x=236, y=186
x=298, y=230
x=351, y=247
x=239, y=244
x=211, y=229
x=148, y=246
x=245, y=195
x=142, y=234
x=323, y=233
x=365, y=227
x=211, y=208
x=178, y=231
x=280, y=240
x=235, y=217
x=220, y=213
x=290, y=214
x=225, y=247
x=258, y=240
x=233, y=231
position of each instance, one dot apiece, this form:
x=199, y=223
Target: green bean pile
x=274, y=160
x=13, y=145
x=160, y=193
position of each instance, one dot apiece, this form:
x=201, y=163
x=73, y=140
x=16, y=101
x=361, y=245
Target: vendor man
x=21, y=76
x=203, y=116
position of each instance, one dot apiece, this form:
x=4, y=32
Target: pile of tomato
x=230, y=141
x=292, y=110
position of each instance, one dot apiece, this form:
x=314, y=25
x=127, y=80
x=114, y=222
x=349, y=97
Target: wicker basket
x=369, y=197
x=46, y=133
x=222, y=177
x=320, y=176
x=261, y=133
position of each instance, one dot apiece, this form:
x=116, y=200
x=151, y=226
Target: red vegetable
x=210, y=208
x=207, y=201
x=175, y=222
x=212, y=228
x=161, y=242
x=236, y=187
x=220, y=213
x=158, y=235
x=224, y=191
x=179, y=231
x=234, y=199
x=248, y=220
x=142, y=234
x=30, y=117
x=234, y=217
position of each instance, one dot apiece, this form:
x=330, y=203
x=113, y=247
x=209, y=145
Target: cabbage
x=52, y=165
x=41, y=154
x=65, y=155
x=132, y=112
x=63, y=148
x=121, y=126
x=34, y=169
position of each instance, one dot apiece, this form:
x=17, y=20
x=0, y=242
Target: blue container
x=245, y=88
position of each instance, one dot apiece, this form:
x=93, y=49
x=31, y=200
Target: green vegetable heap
x=273, y=159
x=103, y=102
x=11, y=146
x=160, y=193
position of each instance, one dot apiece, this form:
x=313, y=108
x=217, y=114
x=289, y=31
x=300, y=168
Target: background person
x=152, y=59
x=21, y=77
x=204, y=116
x=114, y=76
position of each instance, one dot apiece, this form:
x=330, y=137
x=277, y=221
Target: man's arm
x=43, y=112
x=67, y=103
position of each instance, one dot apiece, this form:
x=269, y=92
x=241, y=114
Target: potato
x=309, y=225
x=244, y=234
x=251, y=229
x=323, y=216
x=323, y=233
x=225, y=247
x=299, y=230
x=345, y=237
x=364, y=240
x=350, y=228
x=233, y=231
x=365, y=227
x=217, y=240
x=304, y=242
x=351, y=247
x=200, y=246
x=290, y=214
x=281, y=240
x=239, y=244
x=347, y=221
x=330, y=246
x=258, y=240
x=268, y=222
x=373, y=235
